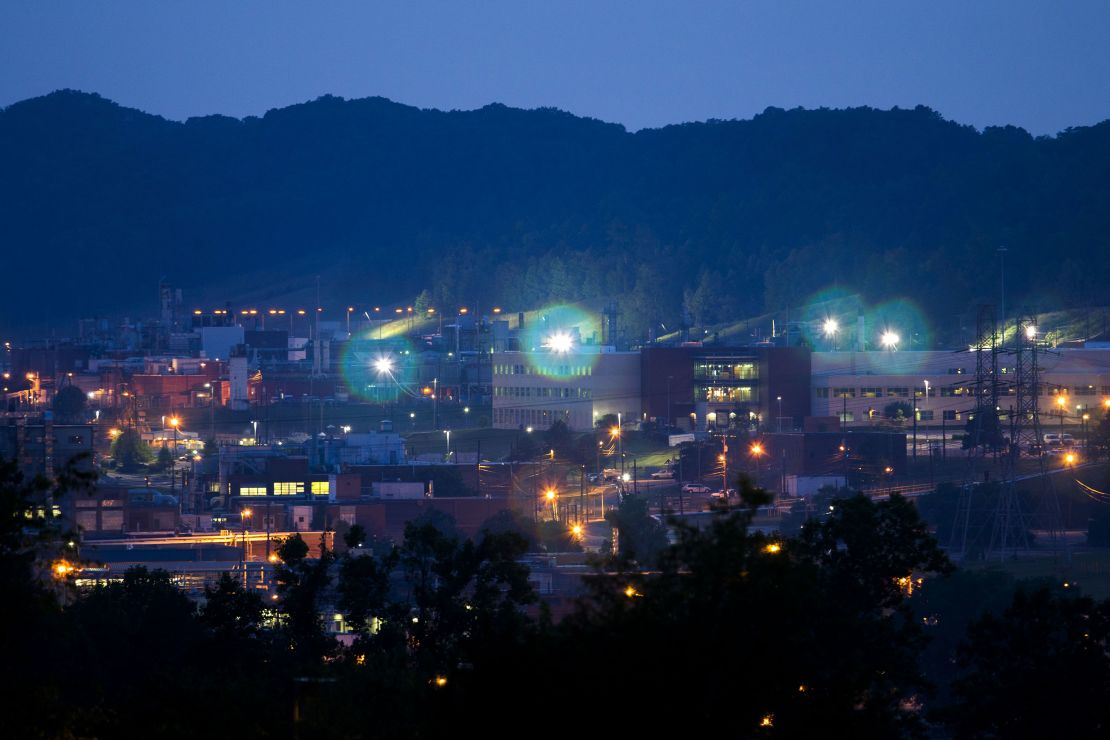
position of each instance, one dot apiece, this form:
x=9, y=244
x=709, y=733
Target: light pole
x=448, y=433
x=244, y=515
x=550, y=495
x=174, y=422
x=757, y=452
x=780, y=414
x=620, y=442
x=831, y=328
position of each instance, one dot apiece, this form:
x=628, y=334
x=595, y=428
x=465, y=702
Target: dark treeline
x=858, y=626
x=696, y=223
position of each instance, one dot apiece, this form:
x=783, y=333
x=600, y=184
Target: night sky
x=1040, y=65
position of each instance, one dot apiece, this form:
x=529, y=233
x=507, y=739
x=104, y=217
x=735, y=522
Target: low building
x=578, y=386
x=939, y=387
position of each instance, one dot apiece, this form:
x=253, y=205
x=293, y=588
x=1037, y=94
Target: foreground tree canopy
x=823, y=633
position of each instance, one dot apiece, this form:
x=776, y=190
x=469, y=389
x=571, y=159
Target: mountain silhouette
x=693, y=223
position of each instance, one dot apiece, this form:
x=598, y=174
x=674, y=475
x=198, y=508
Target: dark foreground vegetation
x=857, y=627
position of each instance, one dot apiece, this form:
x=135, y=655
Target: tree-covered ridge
x=696, y=223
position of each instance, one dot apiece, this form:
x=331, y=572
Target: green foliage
x=164, y=458
x=641, y=538
x=1040, y=666
x=557, y=537
x=898, y=410
x=538, y=207
x=984, y=429
x=559, y=438
x=130, y=451
x=524, y=448
x=69, y=405
x=231, y=611
x=301, y=584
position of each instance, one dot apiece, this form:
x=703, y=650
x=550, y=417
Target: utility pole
x=724, y=465
x=1002, y=280
x=620, y=443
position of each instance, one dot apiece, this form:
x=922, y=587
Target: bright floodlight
x=830, y=327
x=383, y=365
x=890, y=339
x=560, y=342
x=1030, y=332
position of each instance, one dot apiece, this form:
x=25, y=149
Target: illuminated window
x=321, y=488
x=870, y=392
x=251, y=490
x=844, y=392
x=898, y=392
x=285, y=488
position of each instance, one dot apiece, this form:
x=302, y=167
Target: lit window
x=288, y=488
x=251, y=490
x=321, y=488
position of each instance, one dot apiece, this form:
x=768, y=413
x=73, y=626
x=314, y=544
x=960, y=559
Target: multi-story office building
x=578, y=386
x=700, y=388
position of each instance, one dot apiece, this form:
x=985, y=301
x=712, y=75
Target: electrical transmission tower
x=967, y=527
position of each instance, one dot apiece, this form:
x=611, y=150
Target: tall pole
x=915, y=411
x=670, y=416
x=620, y=443
x=173, y=462
x=724, y=466
x=1002, y=280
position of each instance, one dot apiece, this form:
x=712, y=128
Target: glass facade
x=724, y=394
x=725, y=370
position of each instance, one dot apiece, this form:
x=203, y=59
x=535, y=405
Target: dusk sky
x=1040, y=65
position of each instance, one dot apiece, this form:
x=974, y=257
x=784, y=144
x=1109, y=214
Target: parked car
x=696, y=488
x=1067, y=439
x=663, y=474
x=1052, y=439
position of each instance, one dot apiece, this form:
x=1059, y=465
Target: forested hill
x=699, y=222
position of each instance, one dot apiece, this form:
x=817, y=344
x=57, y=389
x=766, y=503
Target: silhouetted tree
x=69, y=405
x=1042, y=666
x=130, y=451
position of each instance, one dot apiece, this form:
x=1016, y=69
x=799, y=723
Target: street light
x=757, y=452
x=831, y=328
x=560, y=342
x=890, y=339
x=550, y=495
x=174, y=423
x=384, y=365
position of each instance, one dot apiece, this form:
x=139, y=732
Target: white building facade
x=579, y=387
x=940, y=386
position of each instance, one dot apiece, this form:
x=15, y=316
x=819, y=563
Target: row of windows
x=724, y=394
x=288, y=488
x=557, y=370
x=948, y=391
x=725, y=371
x=540, y=418
x=922, y=415
x=525, y=392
